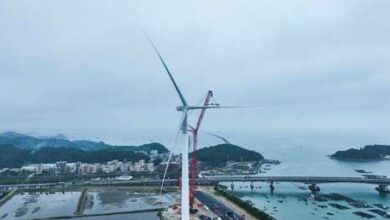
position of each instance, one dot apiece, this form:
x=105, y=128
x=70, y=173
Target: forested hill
x=28, y=142
x=227, y=152
x=14, y=157
x=369, y=152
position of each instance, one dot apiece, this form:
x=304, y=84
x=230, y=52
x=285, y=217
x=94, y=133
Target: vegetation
x=257, y=213
x=222, y=153
x=369, y=152
x=28, y=142
x=12, y=157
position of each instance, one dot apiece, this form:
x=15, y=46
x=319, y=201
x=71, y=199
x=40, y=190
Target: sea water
x=287, y=200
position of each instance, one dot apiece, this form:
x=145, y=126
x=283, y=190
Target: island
x=367, y=153
x=230, y=159
x=223, y=153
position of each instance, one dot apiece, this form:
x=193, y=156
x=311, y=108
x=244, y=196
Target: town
x=109, y=167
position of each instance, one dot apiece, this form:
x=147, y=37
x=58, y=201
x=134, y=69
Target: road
x=212, y=181
x=218, y=207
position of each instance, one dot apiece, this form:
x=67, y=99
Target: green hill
x=369, y=152
x=13, y=157
x=227, y=152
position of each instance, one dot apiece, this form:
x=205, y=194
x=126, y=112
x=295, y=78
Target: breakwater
x=81, y=203
x=255, y=212
x=7, y=197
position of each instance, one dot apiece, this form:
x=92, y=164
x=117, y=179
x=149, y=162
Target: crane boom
x=194, y=161
x=202, y=113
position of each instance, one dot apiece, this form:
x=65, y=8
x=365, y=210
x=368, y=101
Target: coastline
x=356, y=160
x=211, y=191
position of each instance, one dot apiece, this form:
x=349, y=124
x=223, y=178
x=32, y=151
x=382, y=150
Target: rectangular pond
x=109, y=201
x=39, y=205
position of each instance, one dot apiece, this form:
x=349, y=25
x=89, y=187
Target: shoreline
x=211, y=191
x=103, y=214
x=356, y=160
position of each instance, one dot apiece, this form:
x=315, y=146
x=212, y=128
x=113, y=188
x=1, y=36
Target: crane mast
x=194, y=160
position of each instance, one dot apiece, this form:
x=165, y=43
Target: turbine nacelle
x=180, y=108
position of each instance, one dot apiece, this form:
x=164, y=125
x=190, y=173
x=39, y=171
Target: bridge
x=313, y=181
x=299, y=179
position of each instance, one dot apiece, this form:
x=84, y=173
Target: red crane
x=194, y=160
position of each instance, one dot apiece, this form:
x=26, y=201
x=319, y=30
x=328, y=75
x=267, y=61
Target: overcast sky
x=85, y=69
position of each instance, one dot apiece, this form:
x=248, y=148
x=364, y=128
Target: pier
x=7, y=197
x=81, y=203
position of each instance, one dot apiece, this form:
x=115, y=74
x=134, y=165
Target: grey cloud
x=85, y=68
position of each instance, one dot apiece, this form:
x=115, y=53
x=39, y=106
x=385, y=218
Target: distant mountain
x=369, y=152
x=25, y=141
x=227, y=152
x=14, y=157
x=28, y=142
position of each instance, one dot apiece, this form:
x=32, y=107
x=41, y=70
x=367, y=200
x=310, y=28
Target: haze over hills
x=18, y=149
x=28, y=142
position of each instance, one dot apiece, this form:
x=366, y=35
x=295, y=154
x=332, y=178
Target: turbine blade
x=174, y=142
x=225, y=106
x=218, y=136
x=240, y=106
x=167, y=69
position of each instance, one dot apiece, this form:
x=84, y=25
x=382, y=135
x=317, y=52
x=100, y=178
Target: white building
x=29, y=168
x=150, y=167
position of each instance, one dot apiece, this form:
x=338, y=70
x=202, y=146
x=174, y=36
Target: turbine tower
x=185, y=207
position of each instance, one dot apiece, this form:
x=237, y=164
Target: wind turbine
x=184, y=108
